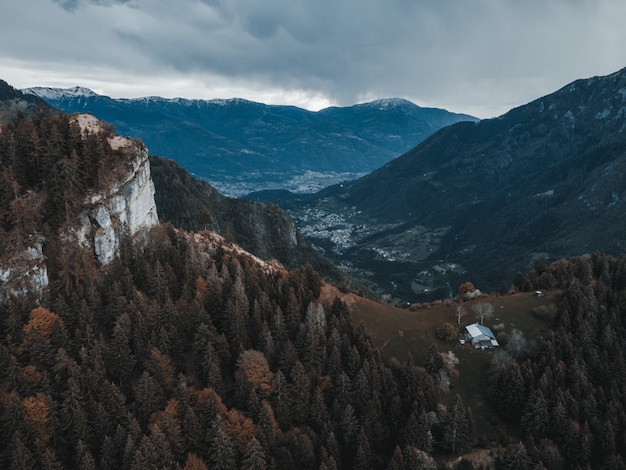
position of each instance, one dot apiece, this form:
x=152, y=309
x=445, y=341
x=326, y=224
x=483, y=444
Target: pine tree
x=516, y=458
x=235, y=321
x=254, y=458
x=509, y=393
x=207, y=359
x=349, y=426
x=149, y=396
x=109, y=459
x=222, y=454
x=21, y=456
x=397, y=460
x=458, y=427
x=191, y=430
x=363, y=454
x=535, y=418
x=122, y=359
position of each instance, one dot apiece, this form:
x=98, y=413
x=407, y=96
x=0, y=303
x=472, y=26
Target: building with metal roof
x=480, y=336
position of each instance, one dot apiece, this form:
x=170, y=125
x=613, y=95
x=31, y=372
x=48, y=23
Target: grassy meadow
x=399, y=332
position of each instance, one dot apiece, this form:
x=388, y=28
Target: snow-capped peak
x=388, y=103
x=48, y=93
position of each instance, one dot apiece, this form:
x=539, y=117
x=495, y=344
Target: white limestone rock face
x=127, y=204
x=25, y=272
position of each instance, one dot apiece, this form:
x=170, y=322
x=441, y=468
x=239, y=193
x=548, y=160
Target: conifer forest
x=188, y=353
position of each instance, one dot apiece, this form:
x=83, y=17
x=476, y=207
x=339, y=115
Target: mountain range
x=241, y=146
x=131, y=343
x=481, y=201
x=477, y=200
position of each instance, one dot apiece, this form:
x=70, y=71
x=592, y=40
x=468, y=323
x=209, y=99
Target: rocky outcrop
x=24, y=272
x=126, y=206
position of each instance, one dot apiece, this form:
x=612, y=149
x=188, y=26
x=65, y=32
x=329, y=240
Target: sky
x=480, y=57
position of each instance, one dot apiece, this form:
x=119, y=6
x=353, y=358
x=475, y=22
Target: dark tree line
x=569, y=399
x=186, y=354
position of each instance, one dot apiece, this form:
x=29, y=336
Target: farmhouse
x=480, y=336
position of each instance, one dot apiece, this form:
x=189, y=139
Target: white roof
x=481, y=333
x=477, y=330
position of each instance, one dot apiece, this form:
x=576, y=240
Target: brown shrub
x=447, y=332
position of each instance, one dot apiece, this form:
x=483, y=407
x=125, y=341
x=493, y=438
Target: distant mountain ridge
x=241, y=146
x=481, y=201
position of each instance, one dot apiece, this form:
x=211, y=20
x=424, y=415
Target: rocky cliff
x=24, y=272
x=124, y=206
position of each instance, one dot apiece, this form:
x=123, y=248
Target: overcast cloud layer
x=480, y=57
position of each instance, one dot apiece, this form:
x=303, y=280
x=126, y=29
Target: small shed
x=480, y=336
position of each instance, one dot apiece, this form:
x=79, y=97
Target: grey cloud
x=69, y=5
x=73, y=5
x=479, y=55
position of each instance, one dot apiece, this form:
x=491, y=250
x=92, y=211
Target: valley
x=298, y=181
x=481, y=201
x=381, y=254
x=405, y=203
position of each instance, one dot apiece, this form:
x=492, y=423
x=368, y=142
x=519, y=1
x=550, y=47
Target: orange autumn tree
x=41, y=322
x=37, y=410
x=254, y=374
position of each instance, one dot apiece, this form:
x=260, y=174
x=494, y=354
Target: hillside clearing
x=399, y=332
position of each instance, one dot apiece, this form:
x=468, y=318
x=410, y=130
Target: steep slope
x=262, y=229
x=181, y=350
x=241, y=146
x=185, y=351
x=483, y=200
x=89, y=186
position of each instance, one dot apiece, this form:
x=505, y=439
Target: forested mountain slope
x=545, y=179
x=183, y=351
x=187, y=352
x=568, y=398
x=262, y=229
x=13, y=101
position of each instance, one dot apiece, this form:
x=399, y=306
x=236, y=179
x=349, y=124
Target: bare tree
x=517, y=345
x=460, y=312
x=483, y=310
